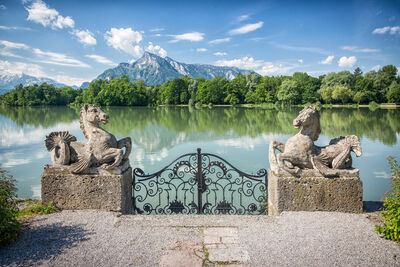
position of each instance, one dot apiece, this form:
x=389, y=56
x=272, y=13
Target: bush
x=9, y=226
x=191, y=102
x=373, y=105
x=390, y=227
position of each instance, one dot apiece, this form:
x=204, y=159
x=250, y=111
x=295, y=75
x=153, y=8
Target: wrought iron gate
x=201, y=183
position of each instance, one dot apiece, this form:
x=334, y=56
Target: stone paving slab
x=223, y=246
x=183, y=255
x=228, y=255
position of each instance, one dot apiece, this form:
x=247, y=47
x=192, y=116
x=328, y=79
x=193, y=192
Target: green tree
x=212, y=91
x=265, y=90
x=342, y=93
x=236, y=89
x=193, y=86
x=393, y=94
x=172, y=91
x=308, y=87
x=289, y=92
x=359, y=97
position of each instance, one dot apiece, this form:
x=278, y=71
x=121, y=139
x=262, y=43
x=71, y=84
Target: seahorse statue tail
x=58, y=144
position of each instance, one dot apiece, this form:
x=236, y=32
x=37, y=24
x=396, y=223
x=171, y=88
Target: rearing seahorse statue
x=300, y=153
x=102, y=150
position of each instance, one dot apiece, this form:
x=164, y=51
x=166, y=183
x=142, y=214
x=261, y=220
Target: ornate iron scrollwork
x=199, y=183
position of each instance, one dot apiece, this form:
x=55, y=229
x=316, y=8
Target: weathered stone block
x=111, y=192
x=314, y=193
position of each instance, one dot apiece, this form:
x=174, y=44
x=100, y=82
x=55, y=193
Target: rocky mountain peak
x=154, y=69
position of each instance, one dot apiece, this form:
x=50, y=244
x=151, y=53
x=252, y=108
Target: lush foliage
x=9, y=226
x=43, y=94
x=343, y=87
x=390, y=228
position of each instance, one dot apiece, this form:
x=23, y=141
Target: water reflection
x=160, y=135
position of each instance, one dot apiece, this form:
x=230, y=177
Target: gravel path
x=98, y=238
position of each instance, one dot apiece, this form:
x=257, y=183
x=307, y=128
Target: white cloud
x=3, y=7
x=62, y=22
x=156, y=30
x=12, y=68
x=58, y=59
x=190, y=36
x=7, y=53
x=347, y=62
x=126, y=40
x=156, y=49
x=387, y=29
x=394, y=30
x=2, y=27
x=243, y=17
x=376, y=68
x=256, y=39
x=19, y=68
x=359, y=49
x=6, y=46
x=85, y=37
x=220, y=54
x=101, y=59
x=246, y=28
x=69, y=80
x=300, y=48
x=201, y=49
x=300, y=61
x=218, y=41
x=40, y=13
x=327, y=61
x=12, y=45
x=259, y=66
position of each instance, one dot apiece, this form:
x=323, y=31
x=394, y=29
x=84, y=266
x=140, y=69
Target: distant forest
x=382, y=86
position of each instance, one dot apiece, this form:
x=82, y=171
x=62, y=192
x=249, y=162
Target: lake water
x=159, y=135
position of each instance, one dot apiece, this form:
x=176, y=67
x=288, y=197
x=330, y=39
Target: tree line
x=382, y=86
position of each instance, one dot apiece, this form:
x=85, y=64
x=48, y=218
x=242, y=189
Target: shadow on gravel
x=42, y=243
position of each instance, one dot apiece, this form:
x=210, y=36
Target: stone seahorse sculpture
x=102, y=149
x=300, y=153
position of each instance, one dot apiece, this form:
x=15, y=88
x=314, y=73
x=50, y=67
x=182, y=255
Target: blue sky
x=74, y=41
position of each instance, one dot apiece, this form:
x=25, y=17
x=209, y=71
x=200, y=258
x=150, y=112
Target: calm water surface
x=160, y=135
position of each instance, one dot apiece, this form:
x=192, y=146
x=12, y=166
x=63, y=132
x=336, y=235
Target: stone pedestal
x=111, y=192
x=312, y=192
